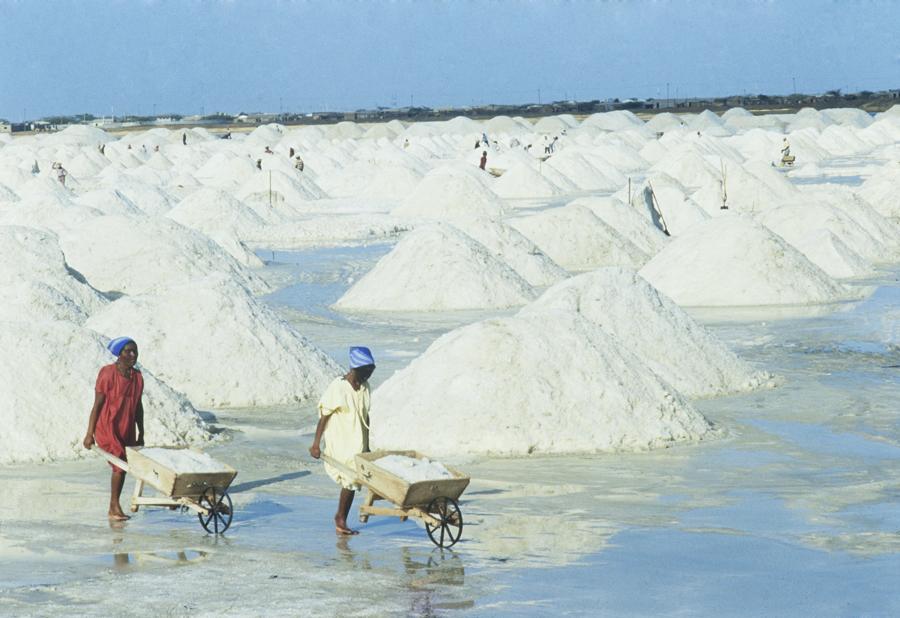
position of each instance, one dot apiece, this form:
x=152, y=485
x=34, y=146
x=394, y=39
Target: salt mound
x=580, y=171
x=687, y=167
x=437, y=268
x=182, y=460
x=731, y=260
x=135, y=255
x=523, y=181
x=37, y=281
x=265, y=360
x=618, y=120
x=512, y=247
x=448, y=193
x=226, y=170
x=627, y=221
x=278, y=186
x=529, y=384
x=44, y=413
x=576, y=239
x=652, y=327
x=679, y=211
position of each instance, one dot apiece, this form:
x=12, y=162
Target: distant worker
x=102, y=149
x=35, y=168
x=259, y=164
x=344, y=424
x=484, y=139
x=477, y=144
x=184, y=139
x=298, y=164
x=406, y=143
x=785, y=149
x=483, y=159
x=291, y=153
x=268, y=150
x=156, y=148
x=61, y=173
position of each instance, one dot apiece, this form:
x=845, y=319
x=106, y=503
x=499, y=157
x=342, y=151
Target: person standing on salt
x=117, y=417
x=344, y=423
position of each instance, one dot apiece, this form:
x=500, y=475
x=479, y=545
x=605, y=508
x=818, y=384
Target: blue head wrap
x=115, y=346
x=360, y=357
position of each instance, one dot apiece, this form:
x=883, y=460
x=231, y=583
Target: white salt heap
x=437, y=268
x=529, y=384
x=653, y=328
x=413, y=470
x=731, y=260
x=184, y=460
x=576, y=239
x=212, y=341
x=447, y=194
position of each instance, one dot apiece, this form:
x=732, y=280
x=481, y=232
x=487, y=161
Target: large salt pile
x=134, y=255
x=437, y=268
x=663, y=193
x=627, y=221
x=523, y=181
x=652, y=327
x=576, y=239
x=448, y=193
x=47, y=389
x=529, y=384
x=512, y=247
x=212, y=341
x=36, y=280
x=731, y=260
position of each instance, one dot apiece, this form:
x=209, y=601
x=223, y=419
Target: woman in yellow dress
x=344, y=423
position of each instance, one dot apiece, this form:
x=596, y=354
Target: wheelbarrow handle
x=119, y=463
x=340, y=466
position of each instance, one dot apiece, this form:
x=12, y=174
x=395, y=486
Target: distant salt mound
x=523, y=181
x=448, y=193
x=36, y=281
x=793, y=221
x=687, y=167
x=140, y=254
x=576, y=239
x=652, y=327
x=277, y=186
x=627, y=221
x=437, y=268
x=880, y=190
x=679, y=212
x=44, y=413
x=732, y=261
x=181, y=329
x=512, y=247
x=109, y=202
x=554, y=124
x=619, y=120
x=226, y=170
x=491, y=379
x=581, y=172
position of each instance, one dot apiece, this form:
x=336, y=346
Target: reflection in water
x=173, y=558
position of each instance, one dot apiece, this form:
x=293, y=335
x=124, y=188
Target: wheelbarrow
x=205, y=493
x=434, y=501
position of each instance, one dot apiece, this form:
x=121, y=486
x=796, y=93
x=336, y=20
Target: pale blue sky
x=264, y=55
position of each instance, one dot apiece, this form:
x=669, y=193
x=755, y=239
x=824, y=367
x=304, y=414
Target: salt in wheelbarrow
x=203, y=489
x=432, y=501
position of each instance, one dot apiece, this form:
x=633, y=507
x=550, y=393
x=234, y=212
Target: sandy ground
x=792, y=512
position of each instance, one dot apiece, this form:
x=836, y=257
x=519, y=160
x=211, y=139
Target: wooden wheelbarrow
x=205, y=493
x=434, y=502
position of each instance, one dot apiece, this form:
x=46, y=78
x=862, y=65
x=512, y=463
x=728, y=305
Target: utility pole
x=667, y=95
x=794, y=82
x=539, y=96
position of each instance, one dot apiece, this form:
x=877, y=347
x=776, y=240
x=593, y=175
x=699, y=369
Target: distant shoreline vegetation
x=866, y=100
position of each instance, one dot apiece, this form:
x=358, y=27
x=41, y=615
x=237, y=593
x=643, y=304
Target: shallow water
x=791, y=512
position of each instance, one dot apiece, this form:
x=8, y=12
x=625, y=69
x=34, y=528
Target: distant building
x=5, y=127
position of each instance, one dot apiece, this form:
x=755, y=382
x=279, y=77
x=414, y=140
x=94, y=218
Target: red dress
x=115, y=425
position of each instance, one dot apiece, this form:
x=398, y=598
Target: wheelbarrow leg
x=138, y=492
x=367, y=502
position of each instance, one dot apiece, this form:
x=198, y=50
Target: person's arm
x=99, y=398
x=314, y=450
x=139, y=421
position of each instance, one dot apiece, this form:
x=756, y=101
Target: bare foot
x=345, y=530
x=119, y=516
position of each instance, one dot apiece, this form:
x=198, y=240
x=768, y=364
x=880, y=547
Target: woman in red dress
x=117, y=418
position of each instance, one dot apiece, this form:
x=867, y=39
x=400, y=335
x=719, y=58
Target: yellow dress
x=347, y=431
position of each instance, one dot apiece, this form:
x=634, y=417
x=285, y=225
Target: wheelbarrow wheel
x=218, y=511
x=446, y=511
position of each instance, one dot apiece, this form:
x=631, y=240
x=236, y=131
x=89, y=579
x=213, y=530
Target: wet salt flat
x=791, y=511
